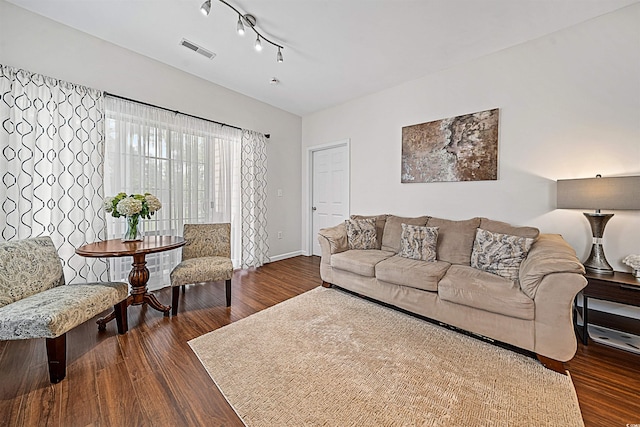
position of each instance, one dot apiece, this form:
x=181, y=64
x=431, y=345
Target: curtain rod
x=176, y=111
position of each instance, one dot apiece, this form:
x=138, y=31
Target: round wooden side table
x=139, y=274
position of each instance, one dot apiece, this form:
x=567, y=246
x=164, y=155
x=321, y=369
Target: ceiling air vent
x=199, y=49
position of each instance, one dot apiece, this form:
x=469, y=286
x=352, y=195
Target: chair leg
x=174, y=299
x=183, y=288
x=122, y=319
x=57, y=358
x=228, y=288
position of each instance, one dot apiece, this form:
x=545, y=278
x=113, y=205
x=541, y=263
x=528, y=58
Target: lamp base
x=597, y=262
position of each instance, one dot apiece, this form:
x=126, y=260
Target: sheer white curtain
x=51, y=156
x=255, y=247
x=191, y=165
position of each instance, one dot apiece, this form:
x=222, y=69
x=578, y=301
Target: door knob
x=314, y=208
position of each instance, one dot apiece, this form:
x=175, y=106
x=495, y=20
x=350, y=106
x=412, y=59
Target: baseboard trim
x=274, y=258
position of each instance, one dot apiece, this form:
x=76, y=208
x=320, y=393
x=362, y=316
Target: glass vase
x=134, y=229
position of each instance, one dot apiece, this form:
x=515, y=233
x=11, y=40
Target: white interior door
x=330, y=188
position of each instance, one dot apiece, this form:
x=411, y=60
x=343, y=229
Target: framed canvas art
x=462, y=148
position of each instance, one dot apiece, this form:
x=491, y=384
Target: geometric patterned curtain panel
x=51, y=166
x=255, y=247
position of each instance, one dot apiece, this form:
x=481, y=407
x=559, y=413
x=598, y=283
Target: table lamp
x=599, y=193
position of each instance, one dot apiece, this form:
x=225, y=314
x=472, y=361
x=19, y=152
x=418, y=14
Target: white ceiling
x=335, y=50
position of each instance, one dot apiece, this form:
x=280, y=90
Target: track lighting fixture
x=240, y=26
x=206, y=8
x=248, y=21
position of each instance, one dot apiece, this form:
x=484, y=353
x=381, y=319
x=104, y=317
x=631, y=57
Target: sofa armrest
x=554, y=331
x=550, y=254
x=552, y=276
x=333, y=240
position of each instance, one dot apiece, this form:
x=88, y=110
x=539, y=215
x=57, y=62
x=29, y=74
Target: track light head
x=240, y=26
x=258, y=44
x=206, y=8
x=279, y=56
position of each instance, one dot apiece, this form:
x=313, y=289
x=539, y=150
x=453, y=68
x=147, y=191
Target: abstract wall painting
x=462, y=148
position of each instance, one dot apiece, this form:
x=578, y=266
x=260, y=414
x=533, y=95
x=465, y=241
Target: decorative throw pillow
x=393, y=231
x=418, y=242
x=361, y=233
x=499, y=254
x=380, y=222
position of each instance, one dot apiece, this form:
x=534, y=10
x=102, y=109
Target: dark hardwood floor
x=150, y=376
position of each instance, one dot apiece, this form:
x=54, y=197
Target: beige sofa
x=532, y=312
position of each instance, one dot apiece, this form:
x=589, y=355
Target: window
x=191, y=165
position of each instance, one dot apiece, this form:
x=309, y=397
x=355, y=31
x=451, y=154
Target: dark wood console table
x=139, y=274
x=618, y=287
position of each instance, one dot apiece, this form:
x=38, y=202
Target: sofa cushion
x=455, y=239
x=479, y=289
x=380, y=222
x=412, y=273
x=360, y=262
x=361, y=233
x=418, y=242
x=393, y=231
x=505, y=228
x=499, y=254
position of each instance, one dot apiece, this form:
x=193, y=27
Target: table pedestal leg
x=153, y=302
x=138, y=278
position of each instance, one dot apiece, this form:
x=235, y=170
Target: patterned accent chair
x=35, y=302
x=206, y=257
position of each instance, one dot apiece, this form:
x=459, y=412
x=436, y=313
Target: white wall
x=569, y=108
x=40, y=45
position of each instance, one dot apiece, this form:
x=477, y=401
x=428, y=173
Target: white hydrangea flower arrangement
x=132, y=207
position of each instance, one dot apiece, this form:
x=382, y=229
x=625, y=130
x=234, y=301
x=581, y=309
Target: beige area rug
x=327, y=358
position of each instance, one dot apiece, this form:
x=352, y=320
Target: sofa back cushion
x=455, y=239
x=28, y=267
x=393, y=230
x=380, y=222
x=504, y=228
